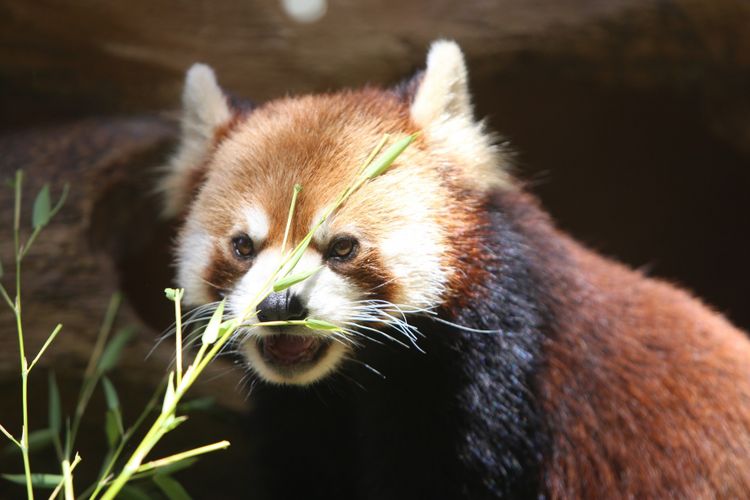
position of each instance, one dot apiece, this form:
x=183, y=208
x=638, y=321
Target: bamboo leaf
x=197, y=404
x=170, y=487
x=42, y=208
x=388, y=157
x=112, y=352
x=113, y=427
x=39, y=480
x=211, y=333
x=132, y=492
x=110, y=394
x=288, y=281
x=61, y=201
x=113, y=423
x=55, y=414
x=319, y=324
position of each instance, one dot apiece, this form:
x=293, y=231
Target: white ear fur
x=442, y=108
x=444, y=89
x=204, y=109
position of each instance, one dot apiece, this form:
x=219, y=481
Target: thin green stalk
x=6, y=297
x=67, y=470
x=46, y=345
x=104, y=476
x=9, y=436
x=68, y=484
x=19, y=329
x=27, y=244
x=90, y=375
x=155, y=464
x=167, y=418
x=52, y=213
x=295, y=194
x=178, y=335
x=157, y=430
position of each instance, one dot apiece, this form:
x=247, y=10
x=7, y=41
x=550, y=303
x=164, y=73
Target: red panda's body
x=648, y=391
x=543, y=370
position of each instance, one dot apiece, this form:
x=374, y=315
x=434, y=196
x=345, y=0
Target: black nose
x=281, y=306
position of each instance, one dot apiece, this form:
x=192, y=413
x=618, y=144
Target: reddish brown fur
x=320, y=142
x=223, y=271
x=646, y=390
x=368, y=272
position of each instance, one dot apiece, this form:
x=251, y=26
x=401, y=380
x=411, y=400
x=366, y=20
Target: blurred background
x=630, y=119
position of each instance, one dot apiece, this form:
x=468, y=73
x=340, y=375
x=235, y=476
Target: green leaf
x=113, y=427
x=113, y=402
x=61, y=201
x=286, y=282
x=42, y=208
x=386, y=159
x=111, y=354
x=211, y=333
x=132, y=492
x=55, y=414
x=319, y=324
x=46, y=481
x=171, y=488
x=197, y=404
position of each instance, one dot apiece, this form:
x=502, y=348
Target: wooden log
x=88, y=56
x=86, y=253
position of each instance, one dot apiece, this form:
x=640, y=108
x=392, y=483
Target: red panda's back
x=646, y=390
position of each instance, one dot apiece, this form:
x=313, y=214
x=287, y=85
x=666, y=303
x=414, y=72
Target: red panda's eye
x=243, y=246
x=343, y=248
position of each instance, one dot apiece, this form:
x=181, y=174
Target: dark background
x=631, y=121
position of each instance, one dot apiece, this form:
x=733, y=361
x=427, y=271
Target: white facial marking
x=257, y=224
x=323, y=233
x=412, y=255
x=326, y=295
x=204, y=109
x=194, y=254
x=442, y=107
x=328, y=363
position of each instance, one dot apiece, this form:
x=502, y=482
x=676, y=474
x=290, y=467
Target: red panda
x=491, y=355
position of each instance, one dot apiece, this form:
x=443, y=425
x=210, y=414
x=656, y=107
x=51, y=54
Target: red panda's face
x=388, y=249
x=384, y=245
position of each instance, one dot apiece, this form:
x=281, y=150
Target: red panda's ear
x=444, y=89
x=204, y=110
x=442, y=108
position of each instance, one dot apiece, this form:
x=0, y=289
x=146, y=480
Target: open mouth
x=288, y=351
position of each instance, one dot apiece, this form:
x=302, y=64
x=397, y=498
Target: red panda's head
x=399, y=242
